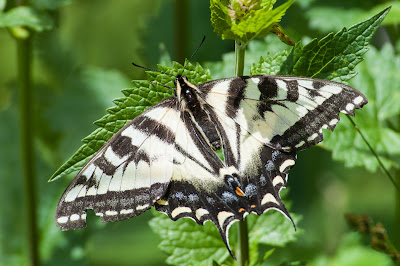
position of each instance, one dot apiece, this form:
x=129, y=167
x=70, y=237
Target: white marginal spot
x=358, y=100
x=62, y=219
x=142, y=207
x=111, y=213
x=180, y=210
x=100, y=214
x=222, y=216
x=75, y=217
x=127, y=211
x=312, y=137
x=301, y=143
x=325, y=126
x=73, y=193
x=286, y=164
x=269, y=198
x=350, y=107
x=201, y=212
x=277, y=180
x=333, y=122
x=83, y=216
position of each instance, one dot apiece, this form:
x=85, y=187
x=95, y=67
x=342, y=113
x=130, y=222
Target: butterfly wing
x=261, y=122
x=128, y=174
x=284, y=112
x=205, y=188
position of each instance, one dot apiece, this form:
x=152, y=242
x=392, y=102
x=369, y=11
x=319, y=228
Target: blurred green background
x=81, y=65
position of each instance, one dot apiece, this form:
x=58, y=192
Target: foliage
x=245, y=20
x=187, y=243
x=70, y=92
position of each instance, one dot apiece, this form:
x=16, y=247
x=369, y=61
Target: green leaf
x=336, y=55
x=188, y=243
x=26, y=16
x=273, y=229
x=379, y=80
x=136, y=100
x=256, y=21
x=259, y=23
x=352, y=252
x=270, y=65
x=333, y=57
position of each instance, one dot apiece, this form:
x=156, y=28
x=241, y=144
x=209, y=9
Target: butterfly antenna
x=152, y=69
x=159, y=84
x=195, y=51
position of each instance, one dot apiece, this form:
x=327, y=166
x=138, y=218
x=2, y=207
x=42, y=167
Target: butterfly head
x=186, y=91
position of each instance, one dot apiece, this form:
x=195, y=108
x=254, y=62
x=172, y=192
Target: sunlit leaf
x=26, y=16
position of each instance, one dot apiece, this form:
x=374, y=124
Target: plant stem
x=24, y=57
x=239, y=58
x=375, y=154
x=243, y=234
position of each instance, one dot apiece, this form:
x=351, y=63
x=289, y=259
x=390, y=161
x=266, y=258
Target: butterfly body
x=166, y=157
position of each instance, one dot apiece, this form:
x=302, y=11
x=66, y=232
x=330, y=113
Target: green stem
x=375, y=154
x=24, y=57
x=239, y=54
x=243, y=234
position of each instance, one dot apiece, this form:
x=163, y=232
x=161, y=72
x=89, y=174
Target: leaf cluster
x=243, y=20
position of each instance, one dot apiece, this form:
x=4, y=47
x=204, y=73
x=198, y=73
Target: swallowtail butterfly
x=166, y=157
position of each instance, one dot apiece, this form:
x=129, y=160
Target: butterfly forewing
x=283, y=112
x=128, y=174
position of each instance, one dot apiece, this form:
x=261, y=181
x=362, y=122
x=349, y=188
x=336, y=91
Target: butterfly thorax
x=193, y=105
